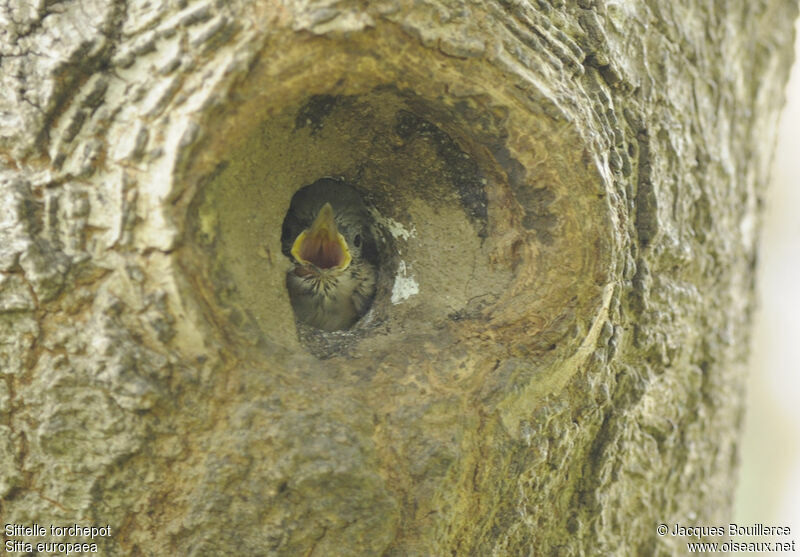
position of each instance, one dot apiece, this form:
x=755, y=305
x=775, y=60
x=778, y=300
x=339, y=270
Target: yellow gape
x=321, y=244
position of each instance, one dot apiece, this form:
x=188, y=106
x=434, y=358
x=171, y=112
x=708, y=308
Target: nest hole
x=425, y=194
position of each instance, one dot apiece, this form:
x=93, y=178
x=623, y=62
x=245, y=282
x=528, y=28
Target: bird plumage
x=330, y=286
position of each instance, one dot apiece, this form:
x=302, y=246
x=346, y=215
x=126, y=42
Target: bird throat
x=322, y=252
x=321, y=245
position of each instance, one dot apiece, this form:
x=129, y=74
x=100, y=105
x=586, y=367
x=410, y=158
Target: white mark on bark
x=404, y=286
x=396, y=229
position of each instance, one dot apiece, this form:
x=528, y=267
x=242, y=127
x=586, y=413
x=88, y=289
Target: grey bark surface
x=555, y=359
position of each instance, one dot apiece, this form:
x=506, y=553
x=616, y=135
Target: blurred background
x=769, y=481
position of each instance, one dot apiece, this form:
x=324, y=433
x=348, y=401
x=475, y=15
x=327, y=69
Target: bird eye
x=357, y=241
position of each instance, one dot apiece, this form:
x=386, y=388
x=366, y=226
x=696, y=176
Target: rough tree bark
x=554, y=361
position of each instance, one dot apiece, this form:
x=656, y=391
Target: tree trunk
x=554, y=361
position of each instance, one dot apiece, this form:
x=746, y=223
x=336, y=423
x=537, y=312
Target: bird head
x=322, y=245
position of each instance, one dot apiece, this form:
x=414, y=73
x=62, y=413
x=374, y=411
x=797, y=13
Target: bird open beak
x=321, y=244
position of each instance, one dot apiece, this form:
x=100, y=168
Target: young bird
x=328, y=235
